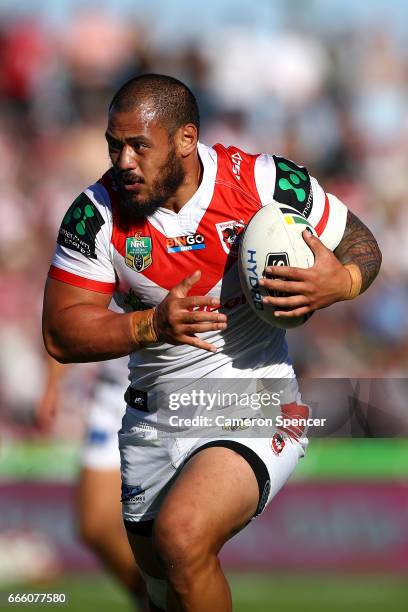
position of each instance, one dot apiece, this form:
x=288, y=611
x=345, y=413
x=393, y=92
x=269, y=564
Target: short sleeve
x=83, y=253
x=284, y=181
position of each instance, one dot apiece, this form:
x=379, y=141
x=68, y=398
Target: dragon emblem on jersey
x=228, y=232
x=138, y=252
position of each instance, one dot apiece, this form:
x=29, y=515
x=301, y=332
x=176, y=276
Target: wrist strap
x=143, y=331
x=356, y=280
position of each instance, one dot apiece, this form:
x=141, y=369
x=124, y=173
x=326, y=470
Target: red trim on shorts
x=80, y=281
x=321, y=226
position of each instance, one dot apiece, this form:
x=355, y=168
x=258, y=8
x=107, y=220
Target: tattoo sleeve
x=359, y=246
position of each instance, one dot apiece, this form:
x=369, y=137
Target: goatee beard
x=171, y=175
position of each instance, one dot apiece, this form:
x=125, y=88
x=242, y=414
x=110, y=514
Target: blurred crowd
x=336, y=104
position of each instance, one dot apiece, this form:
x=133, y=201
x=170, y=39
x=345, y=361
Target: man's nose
x=127, y=158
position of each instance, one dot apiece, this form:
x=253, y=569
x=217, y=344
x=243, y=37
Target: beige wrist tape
x=356, y=280
x=142, y=327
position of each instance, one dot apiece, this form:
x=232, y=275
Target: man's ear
x=185, y=139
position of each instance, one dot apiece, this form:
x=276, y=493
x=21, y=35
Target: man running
x=151, y=230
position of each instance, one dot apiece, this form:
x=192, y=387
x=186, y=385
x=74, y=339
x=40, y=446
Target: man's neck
x=191, y=183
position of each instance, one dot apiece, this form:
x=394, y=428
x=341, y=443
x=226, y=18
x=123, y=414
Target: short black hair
x=175, y=103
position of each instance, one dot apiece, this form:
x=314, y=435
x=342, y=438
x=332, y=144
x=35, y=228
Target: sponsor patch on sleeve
x=293, y=186
x=80, y=227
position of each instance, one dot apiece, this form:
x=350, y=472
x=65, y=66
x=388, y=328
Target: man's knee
x=182, y=545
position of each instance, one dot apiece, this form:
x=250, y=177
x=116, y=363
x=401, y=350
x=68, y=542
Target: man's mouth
x=132, y=186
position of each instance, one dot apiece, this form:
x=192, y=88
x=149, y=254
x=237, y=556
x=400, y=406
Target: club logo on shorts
x=138, y=252
x=228, y=232
x=278, y=444
x=132, y=495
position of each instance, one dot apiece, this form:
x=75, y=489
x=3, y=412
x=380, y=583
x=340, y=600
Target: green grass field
x=251, y=593
x=329, y=460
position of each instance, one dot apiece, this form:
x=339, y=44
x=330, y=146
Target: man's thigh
x=214, y=496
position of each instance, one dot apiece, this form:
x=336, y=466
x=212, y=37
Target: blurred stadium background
x=321, y=82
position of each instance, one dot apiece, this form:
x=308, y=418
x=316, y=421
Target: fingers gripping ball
x=273, y=237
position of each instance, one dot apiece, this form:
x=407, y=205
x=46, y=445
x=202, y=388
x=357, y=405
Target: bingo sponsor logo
x=179, y=244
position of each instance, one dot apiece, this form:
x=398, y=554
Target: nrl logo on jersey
x=228, y=232
x=138, y=252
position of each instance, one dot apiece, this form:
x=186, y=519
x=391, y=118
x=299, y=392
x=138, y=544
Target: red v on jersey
x=233, y=203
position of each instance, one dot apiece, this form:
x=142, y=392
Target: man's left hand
x=326, y=282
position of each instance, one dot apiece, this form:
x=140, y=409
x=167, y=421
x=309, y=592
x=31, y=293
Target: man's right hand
x=175, y=322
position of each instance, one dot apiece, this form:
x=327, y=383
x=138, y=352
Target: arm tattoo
x=359, y=246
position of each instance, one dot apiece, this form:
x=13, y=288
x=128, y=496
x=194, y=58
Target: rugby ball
x=273, y=237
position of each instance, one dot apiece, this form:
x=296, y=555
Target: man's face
x=147, y=169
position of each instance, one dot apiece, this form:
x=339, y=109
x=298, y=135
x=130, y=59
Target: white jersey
x=140, y=261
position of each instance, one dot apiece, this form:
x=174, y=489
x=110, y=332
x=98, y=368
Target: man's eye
x=114, y=146
x=138, y=146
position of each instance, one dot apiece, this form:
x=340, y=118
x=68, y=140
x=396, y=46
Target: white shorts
x=104, y=419
x=150, y=463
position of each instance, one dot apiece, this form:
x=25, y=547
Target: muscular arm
x=78, y=327
x=358, y=246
